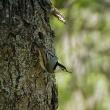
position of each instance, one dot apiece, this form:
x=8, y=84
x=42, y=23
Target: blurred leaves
x=83, y=44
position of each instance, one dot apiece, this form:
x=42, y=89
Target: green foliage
x=83, y=44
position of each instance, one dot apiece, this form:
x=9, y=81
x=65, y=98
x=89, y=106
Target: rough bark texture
x=23, y=84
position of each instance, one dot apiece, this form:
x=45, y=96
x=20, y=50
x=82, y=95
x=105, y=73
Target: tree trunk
x=23, y=83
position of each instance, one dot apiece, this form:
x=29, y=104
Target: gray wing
x=52, y=60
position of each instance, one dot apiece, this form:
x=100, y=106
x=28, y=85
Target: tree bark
x=23, y=83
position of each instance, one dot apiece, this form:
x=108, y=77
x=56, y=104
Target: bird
x=49, y=61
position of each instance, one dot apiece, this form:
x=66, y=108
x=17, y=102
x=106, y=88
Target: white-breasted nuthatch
x=49, y=61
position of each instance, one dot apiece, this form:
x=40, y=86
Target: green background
x=83, y=46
